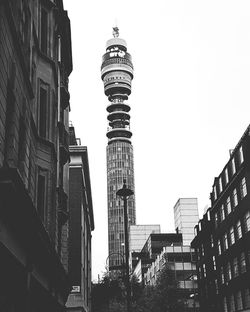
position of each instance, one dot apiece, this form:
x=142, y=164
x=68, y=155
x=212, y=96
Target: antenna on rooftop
x=115, y=32
x=116, y=29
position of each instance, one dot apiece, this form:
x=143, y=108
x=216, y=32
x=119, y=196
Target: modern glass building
x=117, y=74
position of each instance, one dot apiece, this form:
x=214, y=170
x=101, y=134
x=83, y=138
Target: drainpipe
x=58, y=109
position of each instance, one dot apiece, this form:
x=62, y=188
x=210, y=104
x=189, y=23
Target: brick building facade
x=222, y=241
x=35, y=62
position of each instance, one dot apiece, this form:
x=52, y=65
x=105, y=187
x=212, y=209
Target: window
x=220, y=185
x=235, y=267
x=215, y=192
x=233, y=166
x=219, y=247
x=216, y=220
x=216, y=286
x=41, y=194
x=225, y=305
x=239, y=303
x=229, y=272
x=44, y=30
x=232, y=303
x=231, y=235
x=22, y=139
x=228, y=205
x=204, y=270
x=242, y=263
x=246, y=298
x=243, y=188
x=214, y=263
x=225, y=241
x=222, y=213
x=222, y=276
x=212, y=240
x=235, y=198
x=247, y=221
x=238, y=230
x=241, y=157
x=226, y=176
x=42, y=118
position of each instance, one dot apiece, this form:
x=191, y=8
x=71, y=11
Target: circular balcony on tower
x=118, y=107
x=117, y=88
x=118, y=115
x=119, y=132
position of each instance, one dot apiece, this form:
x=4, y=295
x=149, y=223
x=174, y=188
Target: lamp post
x=124, y=193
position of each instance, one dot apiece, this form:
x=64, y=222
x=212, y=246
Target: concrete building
x=81, y=224
x=117, y=75
x=35, y=62
x=222, y=241
x=138, y=235
x=151, y=249
x=186, y=216
x=181, y=260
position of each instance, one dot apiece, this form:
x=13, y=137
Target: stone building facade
x=35, y=62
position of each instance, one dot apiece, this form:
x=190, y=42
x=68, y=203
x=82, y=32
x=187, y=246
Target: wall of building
x=33, y=198
x=186, y=216
x=223, y=237
x=81, y=224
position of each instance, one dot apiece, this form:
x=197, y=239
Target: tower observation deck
x=117, y=75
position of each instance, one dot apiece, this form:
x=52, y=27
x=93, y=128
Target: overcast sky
x=189, y=104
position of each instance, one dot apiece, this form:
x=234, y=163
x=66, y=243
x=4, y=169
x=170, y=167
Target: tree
x=110, y=294
x=165, y=296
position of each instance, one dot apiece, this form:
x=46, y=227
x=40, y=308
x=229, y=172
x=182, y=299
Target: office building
x=181, y=260
x=35, y=63
x=138, y=235
x=81, y=224
x=117, y=75
x=151, y=249
x=222, y=241
x=186, y=216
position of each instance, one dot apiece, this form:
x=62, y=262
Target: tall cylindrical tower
x=117, y=74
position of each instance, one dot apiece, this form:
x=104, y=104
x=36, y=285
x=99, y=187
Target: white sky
x=189, y=103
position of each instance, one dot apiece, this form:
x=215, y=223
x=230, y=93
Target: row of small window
x=119, y=157
x=229, y=271
x=237, y=302
x=229, y=238
x=25, y=25
x=116, y=211
x=119, y=164
x=231, y=202
x=235, y=233
x=119, y=173
x=115, y=78
x=120, y=147
x=229, y=172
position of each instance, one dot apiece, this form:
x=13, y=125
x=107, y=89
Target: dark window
x=42, y=112
x=21, y=143
x=44, y=30
x=41, y=184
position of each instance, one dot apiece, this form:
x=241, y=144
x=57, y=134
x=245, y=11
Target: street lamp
x=124, y=193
